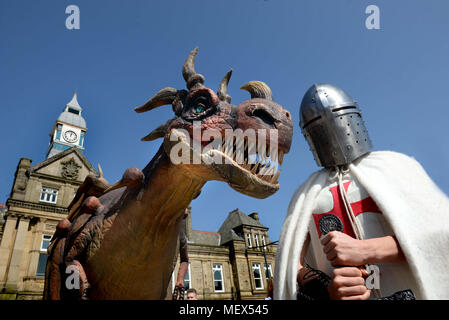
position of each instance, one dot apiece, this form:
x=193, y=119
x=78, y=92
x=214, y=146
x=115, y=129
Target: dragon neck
x=168, y=189
x=150, y=226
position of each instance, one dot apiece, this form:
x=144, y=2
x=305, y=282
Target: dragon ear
x=157, y=133
x=258, y=89
x=171, y=95
x=163, y=97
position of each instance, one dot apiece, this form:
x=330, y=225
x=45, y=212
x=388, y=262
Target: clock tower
x=69, y=129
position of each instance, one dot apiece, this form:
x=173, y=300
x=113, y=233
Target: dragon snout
x=265, y=115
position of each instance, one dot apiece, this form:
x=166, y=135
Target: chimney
x=235, y=210
x=254, y=215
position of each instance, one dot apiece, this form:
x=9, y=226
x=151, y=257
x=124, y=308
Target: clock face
x=70, y=136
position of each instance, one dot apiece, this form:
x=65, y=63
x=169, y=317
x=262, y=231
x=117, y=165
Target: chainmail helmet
x=332, y=124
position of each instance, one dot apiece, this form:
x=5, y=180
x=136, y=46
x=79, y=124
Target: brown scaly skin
x=123, y=242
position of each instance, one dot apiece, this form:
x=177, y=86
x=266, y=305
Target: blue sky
x=124, y=52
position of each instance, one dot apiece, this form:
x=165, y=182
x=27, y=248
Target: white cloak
x=414, y=207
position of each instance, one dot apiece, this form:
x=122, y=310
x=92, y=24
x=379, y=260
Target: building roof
x=236, y=219
x=72, y=114
x=61, y=155
x=74, y=103
x=230, y=235
x=206, y=238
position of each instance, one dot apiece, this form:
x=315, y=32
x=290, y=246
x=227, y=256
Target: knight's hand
x=343, y=250
x=348, y=284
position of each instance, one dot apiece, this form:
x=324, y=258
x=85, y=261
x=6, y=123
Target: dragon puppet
x=121, y=240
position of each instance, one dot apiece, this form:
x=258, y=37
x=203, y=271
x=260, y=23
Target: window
x=49, y=195
x=268, y=271
x=256, y=240
x=187, y=283
x=263, y=240
x=42, y=263
x=257, y=276
x=218, y=277
x=58, y=132
x=74, y=111
x=45, y=242
x=248, y=236
x=82, y=138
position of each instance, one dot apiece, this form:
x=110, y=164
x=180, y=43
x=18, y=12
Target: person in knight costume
x=368, y=224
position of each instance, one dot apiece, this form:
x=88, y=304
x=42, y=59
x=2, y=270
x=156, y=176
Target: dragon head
x=242, y=145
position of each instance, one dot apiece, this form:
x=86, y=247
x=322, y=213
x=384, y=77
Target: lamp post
x=265, y=256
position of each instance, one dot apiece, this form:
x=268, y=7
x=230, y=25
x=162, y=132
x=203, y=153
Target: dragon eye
x=199, y=108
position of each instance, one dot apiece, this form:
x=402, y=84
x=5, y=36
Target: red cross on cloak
x=365, y=205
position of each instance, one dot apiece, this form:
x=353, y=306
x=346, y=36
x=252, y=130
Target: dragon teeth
x=264, y=171
x=281, y=157
x=275, y=177
x=254, y=169
x=264, y=165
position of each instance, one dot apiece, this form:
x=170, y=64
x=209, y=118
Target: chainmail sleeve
x=183, y=254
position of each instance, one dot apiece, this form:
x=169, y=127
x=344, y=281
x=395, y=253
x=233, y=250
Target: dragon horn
x=163, y=97
x=258, y=89
x=100, y=171
x=223, y=88
x=192, y=78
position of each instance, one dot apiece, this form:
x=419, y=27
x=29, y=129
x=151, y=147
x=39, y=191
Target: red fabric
x=358, y=207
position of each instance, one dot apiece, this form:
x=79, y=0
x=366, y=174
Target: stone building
x=2, y=218
x=233, y=263
x=38, y=200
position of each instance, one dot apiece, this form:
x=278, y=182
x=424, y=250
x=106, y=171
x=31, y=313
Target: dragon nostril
x=287, y=114
x=264, y=116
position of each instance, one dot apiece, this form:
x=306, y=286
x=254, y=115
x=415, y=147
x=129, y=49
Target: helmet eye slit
x=343, y=108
